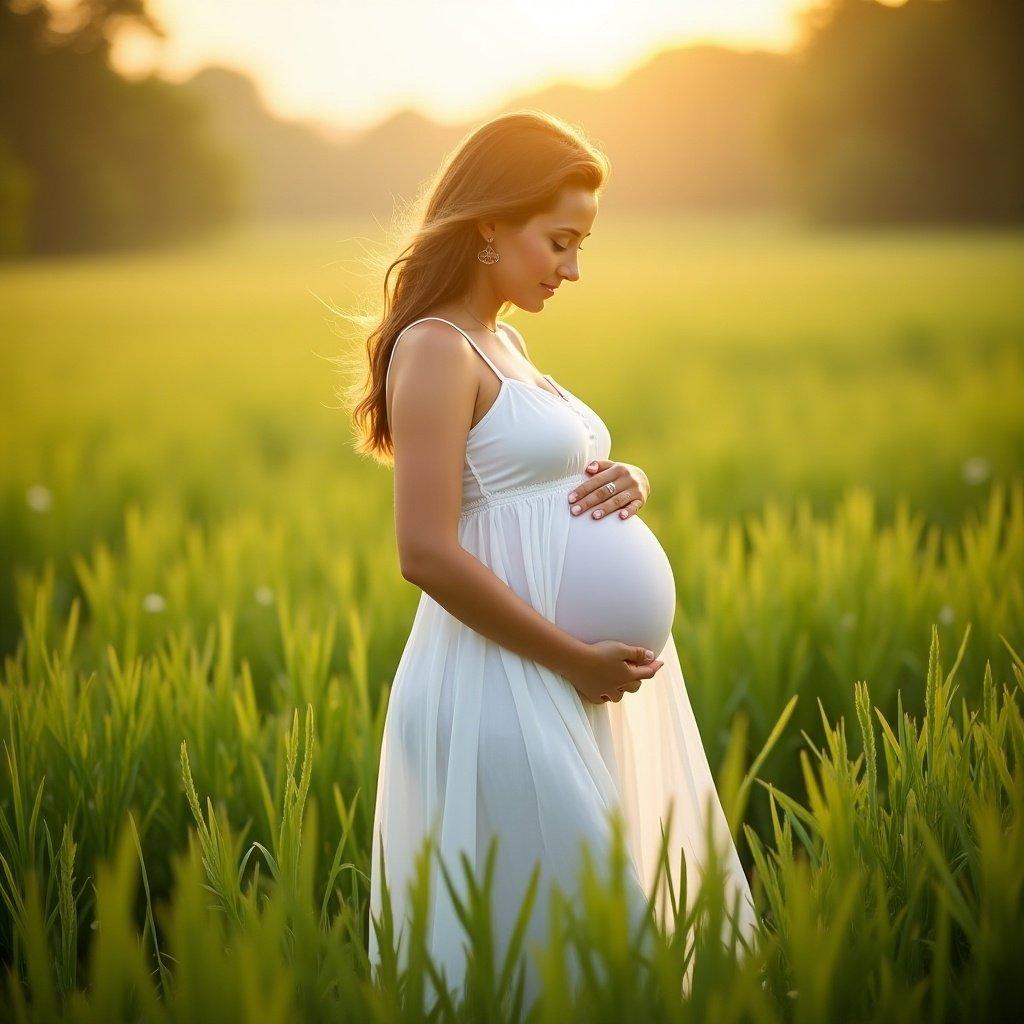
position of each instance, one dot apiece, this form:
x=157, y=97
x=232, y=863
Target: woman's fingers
x=634, y=506
x=630, y=485
x=617, y=501
x=646, y=671
x=640, y=673
x=601, y=503
x=593, y=495
x=638, y=655
x=600, y=472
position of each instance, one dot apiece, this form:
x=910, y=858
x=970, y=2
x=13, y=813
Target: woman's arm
x=434, y=381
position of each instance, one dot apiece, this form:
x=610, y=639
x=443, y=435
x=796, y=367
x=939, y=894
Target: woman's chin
x=531, y=300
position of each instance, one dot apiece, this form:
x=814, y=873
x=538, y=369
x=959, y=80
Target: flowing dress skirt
x=479, y=741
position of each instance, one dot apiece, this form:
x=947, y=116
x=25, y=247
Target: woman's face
x=543, y=251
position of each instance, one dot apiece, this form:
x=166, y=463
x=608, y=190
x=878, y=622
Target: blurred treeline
x=908, y=113
x=89, y=159
x=883, y=113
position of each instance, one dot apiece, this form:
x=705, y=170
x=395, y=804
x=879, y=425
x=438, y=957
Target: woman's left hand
x=628, y=493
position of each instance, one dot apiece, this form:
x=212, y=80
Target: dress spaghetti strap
x=476, y=347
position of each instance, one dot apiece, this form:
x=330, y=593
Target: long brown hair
x=509, y=168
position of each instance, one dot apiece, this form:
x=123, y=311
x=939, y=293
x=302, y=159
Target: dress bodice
x=529, y=438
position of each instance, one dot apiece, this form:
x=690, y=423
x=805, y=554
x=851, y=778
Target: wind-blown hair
x=509, y=168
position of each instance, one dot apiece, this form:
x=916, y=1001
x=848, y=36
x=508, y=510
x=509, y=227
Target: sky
x=353, y=64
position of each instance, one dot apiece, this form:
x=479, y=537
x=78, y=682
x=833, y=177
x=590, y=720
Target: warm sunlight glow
x=353, y=64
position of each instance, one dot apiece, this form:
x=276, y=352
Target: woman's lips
x=548, y=288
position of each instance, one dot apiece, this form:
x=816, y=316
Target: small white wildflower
x=154, y=603
x=975, y=470
x=39, y=498
x=946, y=615
x=848, y=621
x=264, y=595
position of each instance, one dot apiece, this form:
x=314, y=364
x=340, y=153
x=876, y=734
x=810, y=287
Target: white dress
x=479, y=740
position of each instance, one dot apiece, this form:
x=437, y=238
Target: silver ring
x=611, y=487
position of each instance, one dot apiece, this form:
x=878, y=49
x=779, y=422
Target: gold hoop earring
x=488, y=255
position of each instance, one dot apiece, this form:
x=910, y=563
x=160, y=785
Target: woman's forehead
x=574, y=211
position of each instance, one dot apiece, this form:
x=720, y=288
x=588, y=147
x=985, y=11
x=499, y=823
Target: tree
x=907, y=113
x=108, y=162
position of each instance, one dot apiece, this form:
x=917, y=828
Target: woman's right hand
x=609, y=669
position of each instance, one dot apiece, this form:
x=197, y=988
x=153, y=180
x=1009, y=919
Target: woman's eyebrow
x=573, y=231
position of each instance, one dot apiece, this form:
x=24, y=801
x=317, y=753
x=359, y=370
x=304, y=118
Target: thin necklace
x=483, y=325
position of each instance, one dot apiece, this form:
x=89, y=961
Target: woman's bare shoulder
x=431, y=341
x=435, y=358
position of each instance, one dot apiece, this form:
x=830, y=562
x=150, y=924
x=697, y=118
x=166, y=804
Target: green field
x=833, y=426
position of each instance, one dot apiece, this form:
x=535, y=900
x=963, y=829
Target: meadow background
x=200, y=599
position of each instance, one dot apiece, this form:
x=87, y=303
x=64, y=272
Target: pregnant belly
x=616, y=583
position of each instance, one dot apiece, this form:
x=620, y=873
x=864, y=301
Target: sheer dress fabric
x=479, y=741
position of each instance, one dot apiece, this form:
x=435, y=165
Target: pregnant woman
x=540, y=687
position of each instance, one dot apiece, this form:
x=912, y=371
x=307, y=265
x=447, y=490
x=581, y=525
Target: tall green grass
x=831, y=423
x=893, y=894
x=212, y=634
x=201, y=611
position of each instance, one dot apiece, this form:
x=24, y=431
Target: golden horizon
x=304, y=62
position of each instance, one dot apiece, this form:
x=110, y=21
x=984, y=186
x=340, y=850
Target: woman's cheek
x=541, y=258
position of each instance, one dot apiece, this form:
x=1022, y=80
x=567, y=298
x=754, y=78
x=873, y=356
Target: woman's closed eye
x=562, y=248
